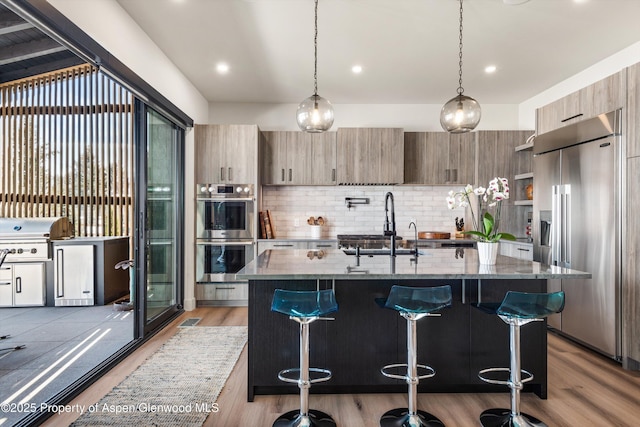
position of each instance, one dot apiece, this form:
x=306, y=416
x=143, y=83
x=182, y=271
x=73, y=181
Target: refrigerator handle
x=556, y=228
x=566, y=226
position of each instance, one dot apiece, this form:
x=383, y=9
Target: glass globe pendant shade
x=315, y=114
x=460, y=114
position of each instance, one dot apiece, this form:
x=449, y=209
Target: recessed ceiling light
x=514, y=2
x=490, y=69
x=222, y=68
x=356, y=69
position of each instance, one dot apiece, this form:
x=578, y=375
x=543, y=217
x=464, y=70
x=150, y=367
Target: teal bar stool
x=413, y=304
x=517, y=309
x=304, y=307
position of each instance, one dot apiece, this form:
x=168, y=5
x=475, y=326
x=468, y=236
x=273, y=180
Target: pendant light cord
x=460, y=88
x=315, y=53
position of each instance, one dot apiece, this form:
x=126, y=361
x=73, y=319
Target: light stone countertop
x=455, y=263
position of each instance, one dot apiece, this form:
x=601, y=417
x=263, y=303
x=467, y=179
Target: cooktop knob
x=34, y=250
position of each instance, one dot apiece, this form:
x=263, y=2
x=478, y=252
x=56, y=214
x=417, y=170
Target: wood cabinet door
x=300, y=161
x=387, y=151
x=240, y=152
x=462, y=159
x=323, y=158
x=370, y=156
x=600, y=97
x=226, y=154
x=548, y=117
x=425, y=156
x=351, y=156
x=299, y=158
x=604, y=95
x=274, y=158
x=209, y=156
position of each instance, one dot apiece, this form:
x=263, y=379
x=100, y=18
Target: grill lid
x=52, y=228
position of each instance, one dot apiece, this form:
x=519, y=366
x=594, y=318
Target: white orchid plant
x=486, y=225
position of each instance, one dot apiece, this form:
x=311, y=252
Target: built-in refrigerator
x=577, y=224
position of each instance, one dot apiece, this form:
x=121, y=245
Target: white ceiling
x=408, y=48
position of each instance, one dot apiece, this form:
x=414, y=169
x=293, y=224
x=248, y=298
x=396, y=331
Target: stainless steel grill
x=29, y=239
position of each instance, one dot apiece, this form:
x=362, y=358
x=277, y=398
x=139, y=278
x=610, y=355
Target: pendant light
x=315, y=114
x=461, y=113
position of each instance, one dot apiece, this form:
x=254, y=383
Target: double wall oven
x=225, y=231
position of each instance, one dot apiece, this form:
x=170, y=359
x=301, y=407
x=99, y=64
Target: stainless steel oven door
x=230, y=219
x=220, y=261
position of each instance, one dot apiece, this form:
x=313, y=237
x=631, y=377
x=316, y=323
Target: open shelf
x=524, y=176
x=524, y=147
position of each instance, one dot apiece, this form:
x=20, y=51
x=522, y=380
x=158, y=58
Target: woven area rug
x=177, y=386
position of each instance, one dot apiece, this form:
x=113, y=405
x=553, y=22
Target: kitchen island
x=365, y=337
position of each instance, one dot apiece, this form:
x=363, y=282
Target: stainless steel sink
x=382, y=251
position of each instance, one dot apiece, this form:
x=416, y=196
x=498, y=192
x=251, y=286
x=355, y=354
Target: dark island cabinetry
x=364, y=337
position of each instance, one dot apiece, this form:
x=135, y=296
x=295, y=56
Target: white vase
x=488, y=252
x=316, y=231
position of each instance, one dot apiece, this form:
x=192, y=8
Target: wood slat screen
x=67, y=150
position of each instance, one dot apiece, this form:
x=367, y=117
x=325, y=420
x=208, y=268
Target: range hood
x=598, y=127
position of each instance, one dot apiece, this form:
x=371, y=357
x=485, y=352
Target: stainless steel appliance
x=73, y=272
x=29, y=239
x=219, y=261
x=576, y=224
x=28, y=243
x=225, y=231
x=225, y=211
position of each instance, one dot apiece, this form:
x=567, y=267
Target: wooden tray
x=433, y=235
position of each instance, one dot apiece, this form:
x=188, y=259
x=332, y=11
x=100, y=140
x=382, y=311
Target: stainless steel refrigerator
x=576, y=224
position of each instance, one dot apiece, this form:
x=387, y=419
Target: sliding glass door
x=159, y=213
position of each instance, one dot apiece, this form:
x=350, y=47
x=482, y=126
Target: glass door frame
x=141, y=326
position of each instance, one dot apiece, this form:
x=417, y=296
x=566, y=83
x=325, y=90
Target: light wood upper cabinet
x=633, y=111
x=602, y=96
x=226, y=154
x=370, y=156
x=434, y=158
x=299, y=158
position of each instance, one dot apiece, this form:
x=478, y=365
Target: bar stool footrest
x=498, y=417
x=528, y=376
x=282, y=375
x=430, y=371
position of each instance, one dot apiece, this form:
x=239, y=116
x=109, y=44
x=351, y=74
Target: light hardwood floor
x=585, y=389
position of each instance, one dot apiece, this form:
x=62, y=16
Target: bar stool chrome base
x=400, y=418
x=499, y=417
x=313, y=418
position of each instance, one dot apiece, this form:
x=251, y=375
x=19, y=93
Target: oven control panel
x=215, y=191
x=26, y=251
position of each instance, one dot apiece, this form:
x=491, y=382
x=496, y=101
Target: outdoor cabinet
x=22, y=284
